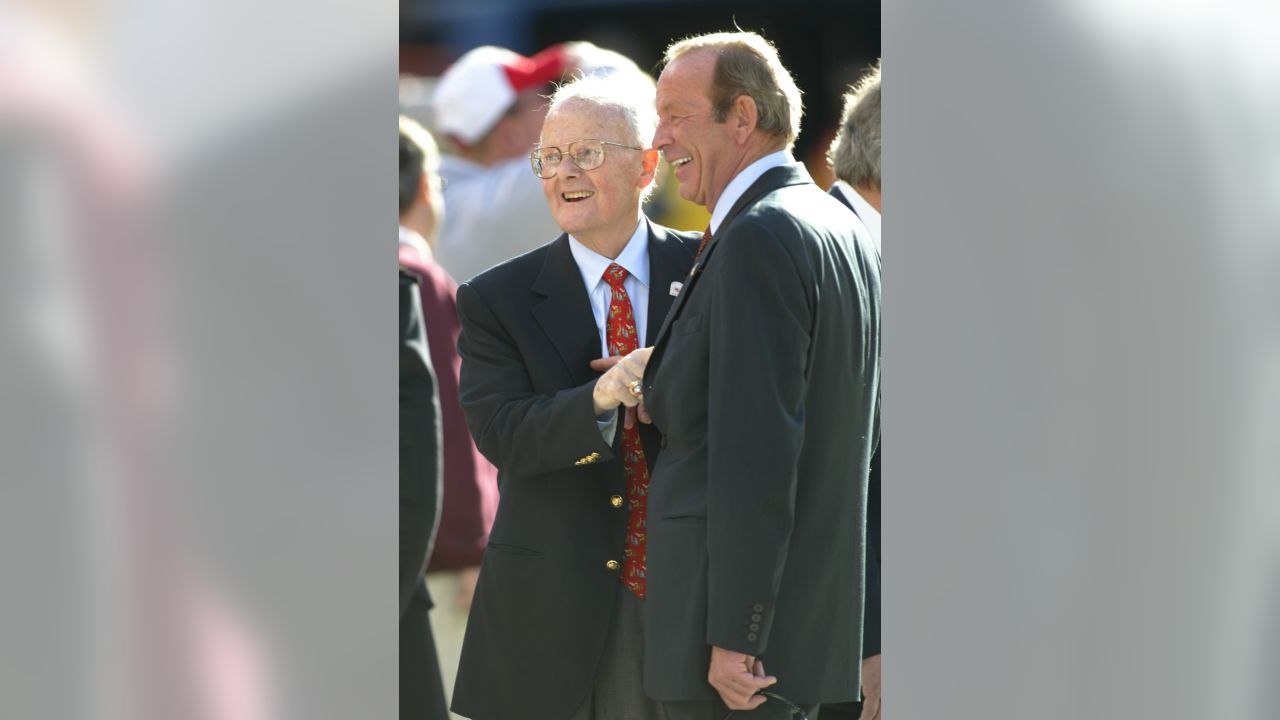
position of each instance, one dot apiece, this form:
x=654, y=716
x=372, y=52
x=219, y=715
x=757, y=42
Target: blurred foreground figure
x=556, y=630
x=855, y=158
x=763, y=381
x=421, y=694
x=113, y=611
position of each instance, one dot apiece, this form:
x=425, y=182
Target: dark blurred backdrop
x=826, y=44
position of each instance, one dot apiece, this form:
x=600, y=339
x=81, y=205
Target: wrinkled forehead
x=687, y=79
x=579, y=118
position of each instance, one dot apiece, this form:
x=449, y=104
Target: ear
x=424, y=189
x=648, y=166
x=744, y=117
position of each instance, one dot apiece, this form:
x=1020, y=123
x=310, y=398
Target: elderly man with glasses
x=556, y=628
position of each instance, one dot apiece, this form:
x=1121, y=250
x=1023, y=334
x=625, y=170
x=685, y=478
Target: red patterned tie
x=620, y=335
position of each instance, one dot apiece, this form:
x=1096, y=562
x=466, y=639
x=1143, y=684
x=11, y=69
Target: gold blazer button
x=616, y=501
x=612, y=565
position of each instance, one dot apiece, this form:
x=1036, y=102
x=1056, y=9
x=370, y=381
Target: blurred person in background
x=763, y=381
x=855, y=153
x=855, y=159
x=556, y=630
x=470, y=482
x=489, y=106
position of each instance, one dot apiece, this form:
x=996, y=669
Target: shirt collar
x=742, y=181
x=860, y=204
x=634, y=258
x=415, y=241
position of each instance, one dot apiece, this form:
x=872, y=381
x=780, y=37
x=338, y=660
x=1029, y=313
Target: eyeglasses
x=586, y=154
x=797, y=712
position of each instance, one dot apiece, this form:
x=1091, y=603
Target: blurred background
x=826, y=47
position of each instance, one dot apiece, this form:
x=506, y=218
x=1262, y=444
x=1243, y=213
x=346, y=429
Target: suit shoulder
x=804, y=208
x=688, y=239
x=519, y=270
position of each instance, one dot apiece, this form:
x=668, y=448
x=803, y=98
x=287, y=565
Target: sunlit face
x=699, y=149
x=607, y=197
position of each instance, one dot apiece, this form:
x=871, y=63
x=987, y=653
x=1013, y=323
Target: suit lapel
x=772, y=179
x=565, y=313
x=667, y=257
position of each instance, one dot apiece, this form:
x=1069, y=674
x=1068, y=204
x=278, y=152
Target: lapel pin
x=675, y=288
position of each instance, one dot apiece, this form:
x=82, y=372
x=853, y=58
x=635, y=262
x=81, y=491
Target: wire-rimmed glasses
x=587, y=154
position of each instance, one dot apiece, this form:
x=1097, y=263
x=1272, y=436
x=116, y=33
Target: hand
x=629, y=416
x=871, y=688
x=738, y=678
x=614, y=387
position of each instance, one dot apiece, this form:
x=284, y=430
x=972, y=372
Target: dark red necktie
x=706, y=238
x=620, y=335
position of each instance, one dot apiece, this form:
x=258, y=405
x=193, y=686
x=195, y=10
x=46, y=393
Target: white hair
x=628, y=95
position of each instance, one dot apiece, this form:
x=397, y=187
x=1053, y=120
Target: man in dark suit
x=421, y=694
x=855, y=158
x=763, y=382
x=556, y=627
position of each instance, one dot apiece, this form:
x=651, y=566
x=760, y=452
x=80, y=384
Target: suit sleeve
x=760, y=328
x=518, y=430
x=420, y=462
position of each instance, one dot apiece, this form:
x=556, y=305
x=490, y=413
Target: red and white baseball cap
x=482, y=84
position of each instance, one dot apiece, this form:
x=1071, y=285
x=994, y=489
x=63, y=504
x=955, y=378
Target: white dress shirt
x=634, y=258
x=491, y=214
x=866, y=213
x=742, y=181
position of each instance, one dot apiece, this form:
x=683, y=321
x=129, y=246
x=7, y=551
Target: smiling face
x=701, y=151
x=602, y=205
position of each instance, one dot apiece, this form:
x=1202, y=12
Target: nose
x=661, y=137
x=568, y=168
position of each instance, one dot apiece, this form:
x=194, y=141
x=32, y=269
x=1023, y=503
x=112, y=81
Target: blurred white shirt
x=492, y=214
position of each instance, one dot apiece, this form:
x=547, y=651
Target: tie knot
x=614, y=275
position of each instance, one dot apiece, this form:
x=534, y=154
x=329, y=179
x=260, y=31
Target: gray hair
x=855, y=153
x=627, y=95
x=747, y=64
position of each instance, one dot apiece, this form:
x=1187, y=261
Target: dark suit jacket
x=763, y=383
x=544, y=599
x=871, y=608
x=470, y=481
x=421, y=690
x=419, y=445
